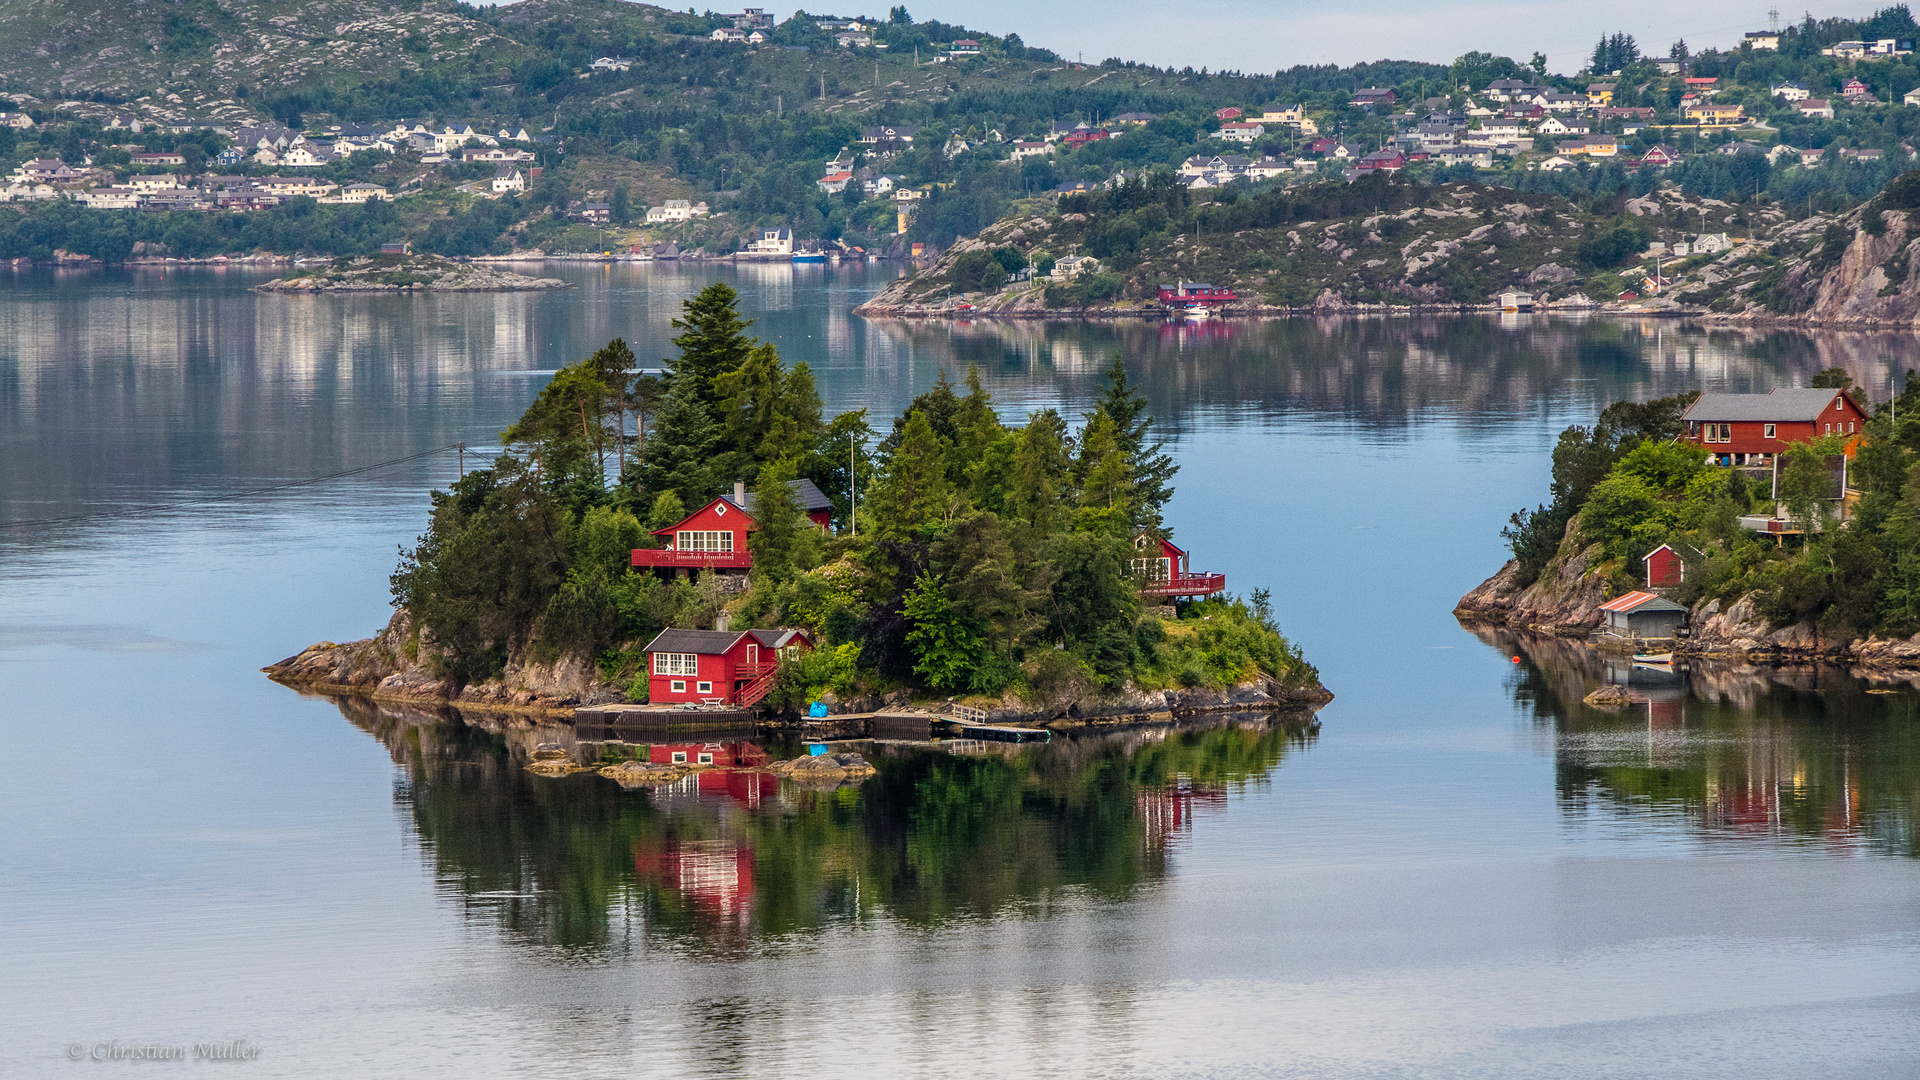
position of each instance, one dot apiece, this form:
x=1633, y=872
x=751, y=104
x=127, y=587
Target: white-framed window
x=703, y=540
x=676, y=663
x=703, y=688
x=1726, y=432
x=1160, y=569
x=679, y=686
x=706, y=759
x=1769, y=431
x=1828, y=430
x=679, y=757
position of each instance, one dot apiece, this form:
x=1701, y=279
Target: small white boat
x=1653, y=658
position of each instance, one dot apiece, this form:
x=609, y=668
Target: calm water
x=1459, y=871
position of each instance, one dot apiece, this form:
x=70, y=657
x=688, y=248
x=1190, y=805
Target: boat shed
x=1642, y=614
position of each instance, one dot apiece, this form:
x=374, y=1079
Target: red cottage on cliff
x=718, y=667
x=1749, y=429
x=1163, y=571
x=714, y=537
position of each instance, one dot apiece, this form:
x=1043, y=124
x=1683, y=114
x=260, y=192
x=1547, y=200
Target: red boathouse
x=717, y=667
x=714, y=537
x=1196, y=294
x=1163, y=570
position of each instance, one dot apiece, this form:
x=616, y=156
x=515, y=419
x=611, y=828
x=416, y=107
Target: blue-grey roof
x=1803, y=405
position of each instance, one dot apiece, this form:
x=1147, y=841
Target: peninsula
x=404, y=272
x=1023, y=573
x=1771, y=528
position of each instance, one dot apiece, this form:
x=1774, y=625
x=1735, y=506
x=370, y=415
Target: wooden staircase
x=752, y=693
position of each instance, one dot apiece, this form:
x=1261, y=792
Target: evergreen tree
x=712, y=340
x=913, y=490
x=1040, y=470
x=1150, y=467
x=1103, y=472
x=779, y=523
x=679, y=456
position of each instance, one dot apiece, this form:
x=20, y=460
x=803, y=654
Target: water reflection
x=1729, y=752
x=726, y=861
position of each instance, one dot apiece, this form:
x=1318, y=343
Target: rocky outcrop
x=1564, y=600
x=824, y=769
x=396, y=664
x=407, y=273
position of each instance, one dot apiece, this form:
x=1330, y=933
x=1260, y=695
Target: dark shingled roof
x=715, y=642
x=708, y=642
x=806, y=495
x=1779, y=405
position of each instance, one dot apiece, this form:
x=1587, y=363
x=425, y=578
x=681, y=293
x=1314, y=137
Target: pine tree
x=913, y=490
x=1150, y=468
x=679, y=456
x=1040, y=468
x=712, y=340
x=778, y=522
x=1104, y=474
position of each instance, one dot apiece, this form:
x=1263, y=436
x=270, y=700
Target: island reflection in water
x=1728, y=752
x=725, y=862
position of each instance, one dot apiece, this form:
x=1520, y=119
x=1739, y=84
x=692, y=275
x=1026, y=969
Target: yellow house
x=1707, y=114
x=1294, y=116
x=1600, y=93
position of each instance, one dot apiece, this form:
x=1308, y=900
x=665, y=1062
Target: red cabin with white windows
x=1192, y=294
x=718, y=667
x=1162, y=569
x=1749, y=429
x=714, y=537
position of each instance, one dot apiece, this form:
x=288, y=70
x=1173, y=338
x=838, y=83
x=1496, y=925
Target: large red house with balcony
x=1162, y=569
x=714, y=537
x=717, y=667
x=1196, y=294
x=1749, y=429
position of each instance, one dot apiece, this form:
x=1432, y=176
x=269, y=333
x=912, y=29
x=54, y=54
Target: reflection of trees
x=579, y=863
x=1732, y=749
x=1390, y=372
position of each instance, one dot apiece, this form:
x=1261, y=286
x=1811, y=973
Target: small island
x=711, y=541
x=401, y=271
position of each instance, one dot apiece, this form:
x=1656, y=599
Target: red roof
x=1628, y=602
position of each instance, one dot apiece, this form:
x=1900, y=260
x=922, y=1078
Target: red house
x=1665, y=567
x=1163, y=569
x=714, y=537
x=733, y=755
x=1749, y=429
x=718, y=667
x=1228, y=113
x=1196, y=294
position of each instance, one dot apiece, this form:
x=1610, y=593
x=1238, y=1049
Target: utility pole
x=463, y=453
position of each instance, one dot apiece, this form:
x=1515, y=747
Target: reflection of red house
x=1168, y=811
x=714, y=537
x=718, y=667
x=740, y=755
x=741, y=785
x=1163, y=569
x=716, y=876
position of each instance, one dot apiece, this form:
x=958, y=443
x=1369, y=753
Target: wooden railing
x=1186, y=585
x=696, y=559
x=752, y=693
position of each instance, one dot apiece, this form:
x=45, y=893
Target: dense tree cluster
x=979, y=556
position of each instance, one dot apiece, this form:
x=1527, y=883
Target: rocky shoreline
x=1565, y=602
x=388, y=667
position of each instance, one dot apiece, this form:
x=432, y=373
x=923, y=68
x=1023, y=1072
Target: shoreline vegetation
x=987, y=564
x=1840, y=589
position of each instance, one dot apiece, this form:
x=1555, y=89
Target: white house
x=834, y=182
x=19, y=120
x=110, y=198
x=1710, y=243
x=675, y=210
x=1031, y=149
x=1240, y=132
x=1792, y=92
x=730, y=34
x=852, y=39
x=509, y=180
x=1072, y=266
x=1913, y=97
x=157, y=182
x=773, y=242
x=1267, y=168
x=1555, y=163
x=610, y=63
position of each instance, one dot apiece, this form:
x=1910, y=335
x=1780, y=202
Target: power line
x=164, y=507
